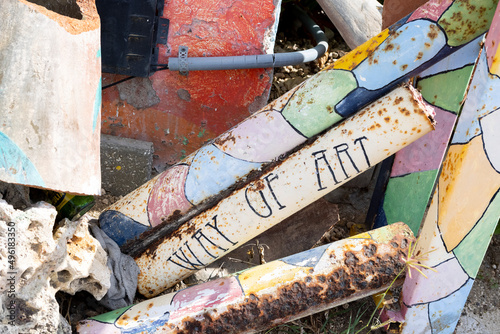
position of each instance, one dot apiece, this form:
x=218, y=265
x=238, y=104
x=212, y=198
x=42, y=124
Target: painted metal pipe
x=416, y=168
x=466, y=205
x=272, y=293
x=339, y=91
x=335, y=157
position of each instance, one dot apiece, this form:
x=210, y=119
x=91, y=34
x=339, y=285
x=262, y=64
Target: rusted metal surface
x=180, y=113
x=337, y=92
x=466, y=205
x=50, y=95
x=340, y=154
x=273, y=293
x=416, y=168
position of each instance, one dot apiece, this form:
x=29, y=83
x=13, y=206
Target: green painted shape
x=467, y=19
x=312, y=108
x=111, y=317
x=406, y=198
x=446, y=90
x=470, y=252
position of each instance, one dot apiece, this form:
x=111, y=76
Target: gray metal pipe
x=257, y=61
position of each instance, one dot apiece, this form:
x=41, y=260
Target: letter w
x=183, y=257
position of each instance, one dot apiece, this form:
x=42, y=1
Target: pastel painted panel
x=432, y=10
x=470, y=252
x=400, y=53
x=146, y=317
x=97, y=102
x=490, y=127
x=461, y=14
x=445, y=281
x=426, y=153
x=15, y=166
x=482, y=98
x=466, y=55
x=103, y=323
x=91, y=326
x=268, y=275
x=308, y=258
x=458, y=211
x=429, y=239
x=213, y=171
x=353, y=59
x=312, y=108
x=449, y=96
x=167, y=195
x=252, y=140
x=406, y=198
x=417, y=317
x=199, y=297
x=134, y=205
x=491, y=44
x=444, y=313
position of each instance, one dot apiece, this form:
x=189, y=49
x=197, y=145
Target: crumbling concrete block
x=35, y=263
x=125, y=164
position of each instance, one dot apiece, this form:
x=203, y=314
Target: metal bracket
x=183, y=64
x=162, y=30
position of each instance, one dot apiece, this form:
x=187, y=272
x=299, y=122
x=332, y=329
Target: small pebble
x=494, y=266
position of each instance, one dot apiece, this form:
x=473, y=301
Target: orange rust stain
x=87, y=10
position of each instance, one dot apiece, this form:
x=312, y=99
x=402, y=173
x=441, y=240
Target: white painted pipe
x=345, y=151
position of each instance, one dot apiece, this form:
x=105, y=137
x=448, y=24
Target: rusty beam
x=335, y=157
x=272, y=293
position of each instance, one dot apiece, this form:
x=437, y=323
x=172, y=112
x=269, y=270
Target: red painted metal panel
x=179, y=113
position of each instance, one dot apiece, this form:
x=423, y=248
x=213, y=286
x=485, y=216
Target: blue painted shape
x=16, y=166
x=148, y=326
x=482, y=98
x=398, y=55
x=97, y=103
x=359, y=98
x=381, y=218
x=213, y=171
x=467, y=55
x=308, y=258
x=444, y=313
x=120, y=227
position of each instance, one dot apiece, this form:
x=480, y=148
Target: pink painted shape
x=427, y=152
x=195, y=299
x=261, y=138
x=449, y=277
x=97, y=327
x=167, y=195
x=493, y=39
x=390, y=314
x=432, y=10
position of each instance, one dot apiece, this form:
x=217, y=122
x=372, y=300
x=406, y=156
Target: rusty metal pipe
x=272, y=293
x=465, y=208
x=337, y=92
x=340, y=154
